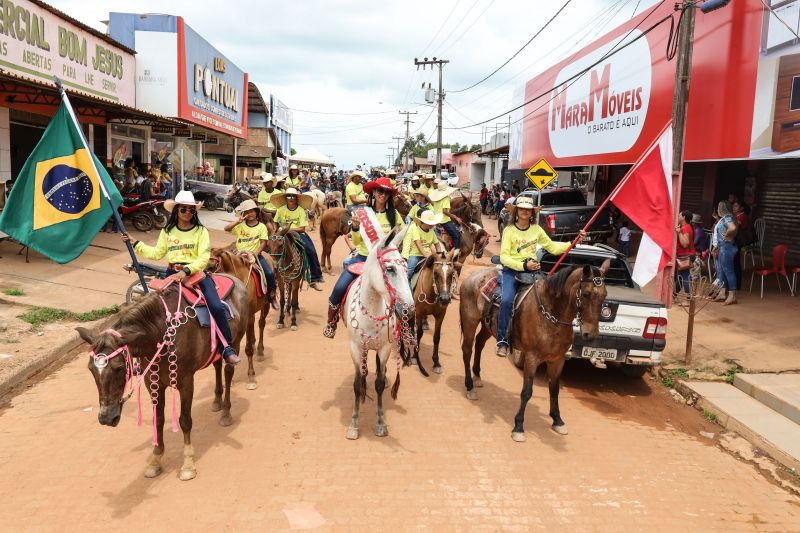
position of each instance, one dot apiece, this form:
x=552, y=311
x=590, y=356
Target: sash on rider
x=370, y=229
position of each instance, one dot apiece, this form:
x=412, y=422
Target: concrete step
x=778, y=436
x=779, y=392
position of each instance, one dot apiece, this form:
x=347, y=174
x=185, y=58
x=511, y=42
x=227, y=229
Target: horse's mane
x=558, y=280
x=145, y=316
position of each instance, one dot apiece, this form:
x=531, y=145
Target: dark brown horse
x=239, y=266
x=140, y=328
x=474, y=240
x=542, y=329
x=332, y=225
x=402, y=205
x=290, y=269
x=461, y=205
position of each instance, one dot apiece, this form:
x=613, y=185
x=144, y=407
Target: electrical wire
x=465, y=32
x=769, y=7
x=467, y=12
x=345, y=114
x=535, y=35
x=335, y=132
x=441, y=27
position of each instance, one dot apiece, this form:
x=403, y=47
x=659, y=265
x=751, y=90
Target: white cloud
x=355, y=56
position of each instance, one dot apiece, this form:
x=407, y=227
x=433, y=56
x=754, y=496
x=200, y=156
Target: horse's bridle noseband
x=598, y=281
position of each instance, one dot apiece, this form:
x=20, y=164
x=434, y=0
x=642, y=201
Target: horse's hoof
x=381, y=430
x=251, y=385
x=226, y=420
x=152, y=471
x=280, y=326
x=561, y=430
x=437, y=370
x=216, y=407
x=187, y=473
x=413, y=361
x=260, y=358
x=352, y=433
x=518, y=437
x=472, y=395
x=477, y=381
x=293, y=328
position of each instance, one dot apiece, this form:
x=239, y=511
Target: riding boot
x=272, y=296
x=333, y=319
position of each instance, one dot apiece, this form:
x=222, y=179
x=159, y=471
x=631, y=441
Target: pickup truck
x=564, y=213
x=633, y=325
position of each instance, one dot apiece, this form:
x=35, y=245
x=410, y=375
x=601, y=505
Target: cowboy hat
x=182, y=198
x=358, y=173
x=697, y=219
x=415, y=177
x=247, y=205
x=429, y=176
x=303, y=200
x=521, y=202
x=391, y=172
x=419, y=173
x=441, y=191
x=293, y=167
x=266, y=176
x=423, y=191
x=426, y=216
x=380, y=183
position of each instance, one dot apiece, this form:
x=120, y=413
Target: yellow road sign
x=541, y=174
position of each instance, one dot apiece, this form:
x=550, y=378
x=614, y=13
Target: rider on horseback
x=420, y=241
x=354, y=192
x=517, y=253
x=379, y=203
x=252, y=236
x=292, y=207
x=266, y=193
x=293, y=179
x=186, y=244
x=440, y=196
x=421, y=202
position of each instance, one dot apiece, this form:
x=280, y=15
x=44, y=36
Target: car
x=452, y=179
x=633, y=325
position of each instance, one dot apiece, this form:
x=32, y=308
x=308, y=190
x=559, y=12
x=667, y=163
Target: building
x=462, y=166
x=281, y=120
x=421, y=164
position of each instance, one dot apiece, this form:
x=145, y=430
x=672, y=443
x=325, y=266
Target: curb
x=21, y=374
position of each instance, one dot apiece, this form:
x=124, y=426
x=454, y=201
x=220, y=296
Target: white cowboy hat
x=521, y=202
x=293, y=167
x=303, y=200
x=430, y=177
x=247, y=205
x=442, y=190
x=266, y=176
x=419, y=173
x=182, y=198
x=426, y=216
x=391, y=172
x=358, y=173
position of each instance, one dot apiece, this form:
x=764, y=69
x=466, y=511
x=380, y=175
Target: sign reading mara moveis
x=604, y=110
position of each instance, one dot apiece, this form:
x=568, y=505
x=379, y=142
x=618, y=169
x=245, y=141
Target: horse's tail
x=396, y=386
x=323, y=235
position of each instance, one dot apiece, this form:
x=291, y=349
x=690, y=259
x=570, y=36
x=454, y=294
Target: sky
x=346, y=67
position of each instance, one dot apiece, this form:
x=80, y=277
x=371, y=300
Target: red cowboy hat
x=380, y=183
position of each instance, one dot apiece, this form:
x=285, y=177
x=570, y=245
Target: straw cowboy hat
x=419, y=173
x=266, y=176
x=391, y=172
x=358, y=173
x=426, y=216
x=303, y=200
x=182, y=198
x=441, y=191
x=293, y=167
x=247, y=205
x=380, y=183
x=522, y=202
x=422, y=191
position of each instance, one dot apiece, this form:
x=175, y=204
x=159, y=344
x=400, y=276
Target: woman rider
x=440, y=196
x=266, y=193
x=354, y=192
x=292, y=207
x=252, y=236
x=294, y=180
x=380, y=203
x=185, y=242
x=517, y=254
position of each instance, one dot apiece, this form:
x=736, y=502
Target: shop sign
x=211, y=139
x=35, y=42
x=182, y=132
x=281, y=115
x=161, y=129
x=198, y=136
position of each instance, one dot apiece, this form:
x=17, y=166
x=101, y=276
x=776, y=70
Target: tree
x=292, y=151
x=475, y=148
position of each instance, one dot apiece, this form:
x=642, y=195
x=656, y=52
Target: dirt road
x=633, y=461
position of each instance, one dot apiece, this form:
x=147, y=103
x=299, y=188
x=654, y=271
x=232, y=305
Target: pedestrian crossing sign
x=541, y=174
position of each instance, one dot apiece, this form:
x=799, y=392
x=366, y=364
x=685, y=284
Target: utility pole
x=440, y=97
x=406, y=166
x=398, y=139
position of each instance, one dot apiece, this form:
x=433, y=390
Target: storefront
x=180, y=74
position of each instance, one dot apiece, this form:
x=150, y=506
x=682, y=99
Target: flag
x=645, y=196
x=57, y=206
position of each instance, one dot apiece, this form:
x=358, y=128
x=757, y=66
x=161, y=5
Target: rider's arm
x=508, y=256
x=348, y=240
x=153, y=252
x=543, y=240
x=203, y=247
x=262, y=247
x=229, y=227
x=421, y=247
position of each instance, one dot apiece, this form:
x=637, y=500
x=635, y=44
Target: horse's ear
x=398, y=240
x=456, y=255
x=449, y=256
x=604, y=267
x=387, y=240
x=429, y=261
x=86, y=335
x=587, y=271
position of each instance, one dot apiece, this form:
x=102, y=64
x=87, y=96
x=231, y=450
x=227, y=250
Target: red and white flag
x=645, y=196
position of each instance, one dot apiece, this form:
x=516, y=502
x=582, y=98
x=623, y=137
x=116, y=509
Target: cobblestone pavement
x=633, y=461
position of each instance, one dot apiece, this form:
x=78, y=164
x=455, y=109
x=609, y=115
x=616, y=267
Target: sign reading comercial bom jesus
x=37, y=43
x=605, y=104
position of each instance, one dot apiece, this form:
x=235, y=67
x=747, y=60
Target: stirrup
x=502, y=350
x=330, y=330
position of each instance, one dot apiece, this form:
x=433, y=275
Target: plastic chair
x=760, y=226
x=794, y=271
x=778, y=268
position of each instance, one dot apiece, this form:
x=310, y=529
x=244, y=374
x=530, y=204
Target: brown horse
x=290, y=269
x=542, y=328
x=402, y=205
x=333, y=224
x=139, y=329
x=435, y=286
x=239, y=266
x=462, y=206
x=474, y=240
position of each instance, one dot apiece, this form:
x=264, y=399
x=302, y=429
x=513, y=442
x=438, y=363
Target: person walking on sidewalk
x=187, y=246
x=723, y=241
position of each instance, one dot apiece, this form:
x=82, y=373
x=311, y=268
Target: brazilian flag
x=56, y=206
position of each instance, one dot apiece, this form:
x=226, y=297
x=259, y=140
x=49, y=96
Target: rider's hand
x=125, y=237
x=355, y=223
x=179, y=276
x=581, y=235
x=530, y=264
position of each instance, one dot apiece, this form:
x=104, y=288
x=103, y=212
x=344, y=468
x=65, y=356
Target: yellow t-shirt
x=191, y=247
x=354, y=189
x=518, y=245
x=294, y=182
x=264, y=198
x=416, y=233
x=440, y=206
x=248, y=238
x=361, y=247
x=416, y=209
x=297, y=217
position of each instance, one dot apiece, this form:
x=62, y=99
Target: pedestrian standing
x=685, y=253
x=484, y=198
x=724, y=249
x=625, y=239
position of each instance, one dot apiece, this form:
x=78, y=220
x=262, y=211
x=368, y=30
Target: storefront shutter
x=779, y=204
x=692, y=188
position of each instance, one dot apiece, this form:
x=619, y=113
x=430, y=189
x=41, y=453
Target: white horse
x=317, y=207
x=379, y=309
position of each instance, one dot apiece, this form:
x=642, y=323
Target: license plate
x=607, y=354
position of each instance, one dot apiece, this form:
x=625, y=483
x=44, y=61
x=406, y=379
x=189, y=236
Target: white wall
x=5, y=144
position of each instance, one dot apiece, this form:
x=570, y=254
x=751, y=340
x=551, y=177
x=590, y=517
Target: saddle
x=259, y=277
x=492, y=291
x=193, y=295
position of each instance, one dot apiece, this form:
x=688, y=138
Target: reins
x=422, y=297
x=578, y=321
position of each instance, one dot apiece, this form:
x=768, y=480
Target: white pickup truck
x=633, y=325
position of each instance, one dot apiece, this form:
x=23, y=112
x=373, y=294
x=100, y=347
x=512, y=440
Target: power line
x=341, y=144
x=441, y=27
x=535, y=35
x=467, y=12
x=346, y=129
x=465, y=32
x=347, y=114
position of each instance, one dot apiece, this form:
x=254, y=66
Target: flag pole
x=611, y=196
x=114, y=212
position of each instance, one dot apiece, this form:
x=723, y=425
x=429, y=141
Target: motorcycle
x=147, y=215
x=210, y=200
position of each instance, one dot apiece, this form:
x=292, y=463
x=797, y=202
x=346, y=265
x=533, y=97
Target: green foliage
x=39, y=316
x=668, y=381
x=730, y=375
x=12, y=291
x=711, y=417
x=292, y=151
x=96, y=314
x=679, y=372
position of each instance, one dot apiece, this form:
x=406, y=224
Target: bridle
x=597, y=281
x=423, y=297
x=294, y=268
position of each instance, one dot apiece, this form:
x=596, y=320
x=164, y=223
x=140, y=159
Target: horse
x=435, y=286
x=462, y=206
x=378, y=309
x=542, y=328
x=333, y=224
x=121, y=352
x=239, y=266
x=334, y=199
x=291, y=269
x=317, y=207
x=474, y=240
x=402, y=205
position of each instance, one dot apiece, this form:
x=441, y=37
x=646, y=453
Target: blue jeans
x=484, y=203
x=726, y=271
x=508, y=283
x=344, y=281
x=313, y=259
x=451, y=229
x=413, y=260
x=214, y=304
x=268, y=273
x=682, y=281
x=625, y=248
